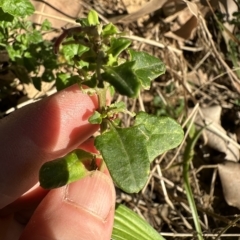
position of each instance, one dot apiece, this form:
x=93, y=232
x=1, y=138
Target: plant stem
x=102, y=104
x=188, y=156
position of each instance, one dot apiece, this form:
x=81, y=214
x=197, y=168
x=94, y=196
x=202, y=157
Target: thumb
x=83, y=210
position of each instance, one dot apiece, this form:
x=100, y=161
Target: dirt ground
x=198, y=42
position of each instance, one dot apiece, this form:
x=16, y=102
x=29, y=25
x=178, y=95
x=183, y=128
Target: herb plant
x=95, y=54
x=27, y=51
x=100, y=57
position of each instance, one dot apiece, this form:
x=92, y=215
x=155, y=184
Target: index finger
x=40, y=132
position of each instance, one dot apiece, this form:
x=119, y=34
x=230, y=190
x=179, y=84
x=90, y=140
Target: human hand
x=41, y=132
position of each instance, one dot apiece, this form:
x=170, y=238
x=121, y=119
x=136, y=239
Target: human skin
x=38, y=133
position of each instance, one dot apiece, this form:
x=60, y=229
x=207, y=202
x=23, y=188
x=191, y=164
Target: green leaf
x=109, y=29
x=27, y=25
x=34, y=37
x=118, y=45
x=111, y=91
x=46, y=25
x=146, y=67
x=13, y=53
x=163, y=133
x=96, y=118
x=116, y=107
x=123, y=79
x=71, y=50
x=112, y=61
x=90, y=57
x=93, y=18
x=83, y=22
x=64, y=170
x=17, y=8
x=5, y=16
x=65, y=80
x=126, y=157
x=128, y=225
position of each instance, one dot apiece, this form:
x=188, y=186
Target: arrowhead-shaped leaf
x=126, y=157
x=146, y=67
x=123, y=79
x=163, y=133
x=118, y=45
x=109, y=29
x=128, y=225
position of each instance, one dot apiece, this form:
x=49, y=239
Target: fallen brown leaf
x=216, y=136
x=186, y=23
x=229, y=173
x=144, y=10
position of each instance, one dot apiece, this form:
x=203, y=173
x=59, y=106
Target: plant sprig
x=95, y=52
x=97, y=56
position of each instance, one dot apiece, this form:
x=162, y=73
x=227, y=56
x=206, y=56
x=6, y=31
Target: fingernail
x=94, y=193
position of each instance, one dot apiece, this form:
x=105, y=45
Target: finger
x=10, y=228
x=82, y=210
x=38, y=133
x=24, y=206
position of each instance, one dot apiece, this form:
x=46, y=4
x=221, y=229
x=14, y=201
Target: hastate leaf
x=118, y=45
x=109, y=29
x=17, y=8
x=126, y=157
x=146, y=67
x=128, y=225
x=162, y=133
x=123, y=79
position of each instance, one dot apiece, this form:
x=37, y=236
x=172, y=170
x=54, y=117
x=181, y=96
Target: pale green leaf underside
x=126, y=157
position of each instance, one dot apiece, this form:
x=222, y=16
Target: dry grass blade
x=154, y=43
x=67, y=20
x=234, y=79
